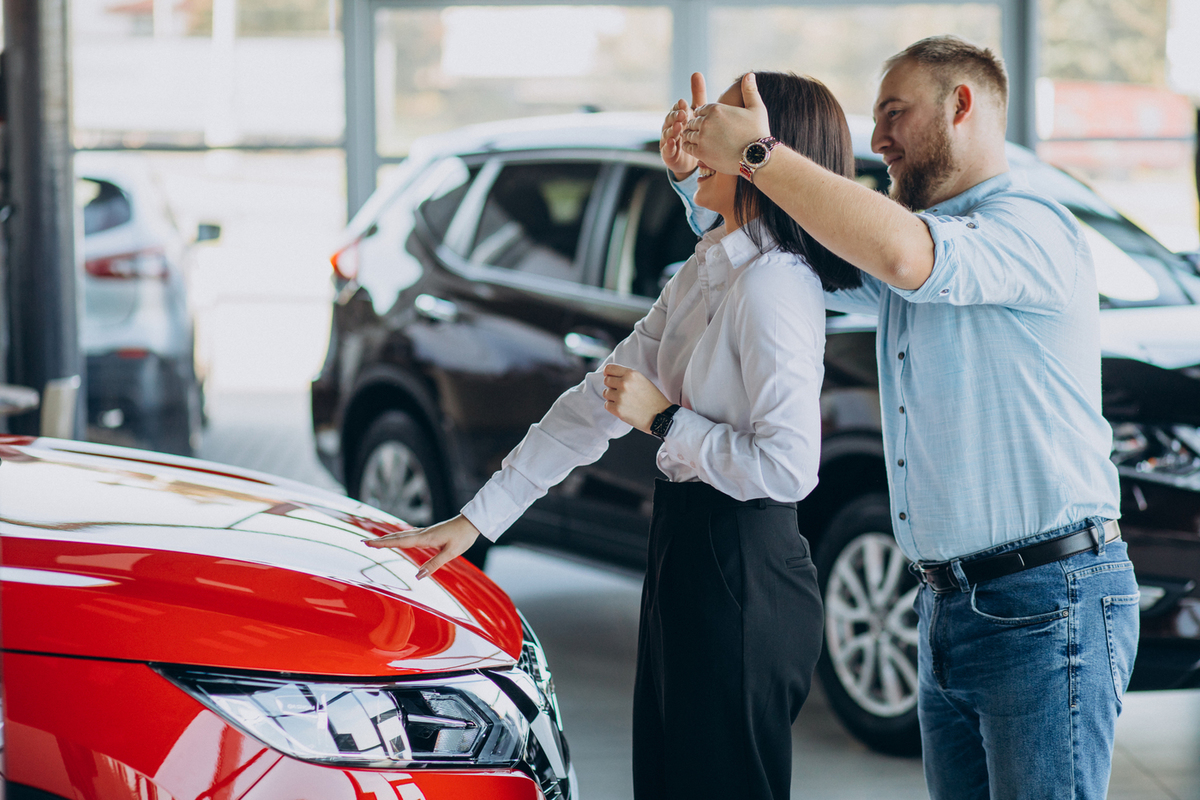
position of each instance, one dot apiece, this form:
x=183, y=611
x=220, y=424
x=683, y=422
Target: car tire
x=397, y=469
x=868, y=666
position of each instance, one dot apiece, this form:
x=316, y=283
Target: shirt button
x=900, y=355
x=970, y=224
x=900, y=462
x=903, y=516
x=901, y=409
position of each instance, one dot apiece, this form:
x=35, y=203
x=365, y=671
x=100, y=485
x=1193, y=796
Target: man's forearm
x=862, y=226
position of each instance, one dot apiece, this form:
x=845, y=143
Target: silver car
x=143, y=387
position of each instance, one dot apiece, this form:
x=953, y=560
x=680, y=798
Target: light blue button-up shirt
x=989, y=375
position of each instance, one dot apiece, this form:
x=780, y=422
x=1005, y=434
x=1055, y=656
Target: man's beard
x=925, y=170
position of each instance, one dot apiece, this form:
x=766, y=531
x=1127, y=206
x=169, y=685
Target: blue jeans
x=1021, y=678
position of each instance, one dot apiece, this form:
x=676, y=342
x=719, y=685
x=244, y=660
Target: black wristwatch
x=662, y=422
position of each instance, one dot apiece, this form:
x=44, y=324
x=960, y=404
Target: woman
x=726, y=369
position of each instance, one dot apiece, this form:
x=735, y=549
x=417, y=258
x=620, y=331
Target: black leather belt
x=940, y=576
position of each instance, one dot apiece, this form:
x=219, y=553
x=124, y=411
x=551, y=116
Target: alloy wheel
x=395, y=481
x=870, y=625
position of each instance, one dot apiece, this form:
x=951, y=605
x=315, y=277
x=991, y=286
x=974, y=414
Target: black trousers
x=730, y=633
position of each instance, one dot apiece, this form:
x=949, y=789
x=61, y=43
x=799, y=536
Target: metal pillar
x=362, y=164
x=39, y=291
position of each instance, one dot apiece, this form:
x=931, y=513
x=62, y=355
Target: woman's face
x=716, y=191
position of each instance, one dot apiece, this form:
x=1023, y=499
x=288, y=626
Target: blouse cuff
x=500, y=503
x=686, y=437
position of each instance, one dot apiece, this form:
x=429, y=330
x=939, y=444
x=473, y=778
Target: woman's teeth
x=705, y=172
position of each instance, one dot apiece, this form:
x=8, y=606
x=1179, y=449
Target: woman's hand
x=670, y=143
x=631, y=397
x=451, y=537
x=716, y=134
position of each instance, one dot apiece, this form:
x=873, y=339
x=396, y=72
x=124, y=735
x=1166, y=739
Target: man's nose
x=878, y=138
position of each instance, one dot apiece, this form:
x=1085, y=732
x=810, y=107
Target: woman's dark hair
x=805, y=116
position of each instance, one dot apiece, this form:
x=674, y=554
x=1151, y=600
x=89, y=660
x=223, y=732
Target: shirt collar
x=738, y=248
x=960, y=204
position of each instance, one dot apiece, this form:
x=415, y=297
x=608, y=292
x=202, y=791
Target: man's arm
x=868, y=230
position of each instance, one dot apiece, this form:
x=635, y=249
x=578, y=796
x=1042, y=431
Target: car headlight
x=493, y=718
x=465, y=719
x=1167, y=454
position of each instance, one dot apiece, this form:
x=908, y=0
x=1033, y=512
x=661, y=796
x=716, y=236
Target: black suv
x=502, y=262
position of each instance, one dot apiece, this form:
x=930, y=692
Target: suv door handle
x=586, y=347
x=435, y=308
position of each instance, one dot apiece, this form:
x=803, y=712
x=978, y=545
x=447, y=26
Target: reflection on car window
x=650, y=235
x=1132, y=268
x=438, y=211
x=105, y=206
x=533, y=216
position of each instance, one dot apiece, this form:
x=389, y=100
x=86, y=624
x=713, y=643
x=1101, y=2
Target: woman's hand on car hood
x=451, y=538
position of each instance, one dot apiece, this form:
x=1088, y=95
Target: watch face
x=756, y=153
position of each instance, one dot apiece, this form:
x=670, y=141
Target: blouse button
x=901, y=409
x=903, y=516
x=900, y=462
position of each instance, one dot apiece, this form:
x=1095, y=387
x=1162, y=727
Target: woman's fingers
x=417, y=537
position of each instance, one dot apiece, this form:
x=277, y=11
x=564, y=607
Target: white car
x=143, y=387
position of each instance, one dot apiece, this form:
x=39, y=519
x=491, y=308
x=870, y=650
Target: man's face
x=912, y=133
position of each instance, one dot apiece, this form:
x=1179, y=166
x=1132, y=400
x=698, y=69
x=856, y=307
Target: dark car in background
x=144, y=387
x=502, y=262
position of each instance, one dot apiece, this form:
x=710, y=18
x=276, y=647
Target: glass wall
x=440, y=68
x=842, y=46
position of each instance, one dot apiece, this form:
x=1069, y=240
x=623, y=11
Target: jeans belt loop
x=960, y=577
x=1099, y=534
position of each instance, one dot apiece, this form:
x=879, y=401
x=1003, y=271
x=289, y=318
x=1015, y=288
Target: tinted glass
x=438, y=211
x=105, y=206
x=533, y=217
x=650, y=235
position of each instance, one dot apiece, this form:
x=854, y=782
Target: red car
x=179, y=629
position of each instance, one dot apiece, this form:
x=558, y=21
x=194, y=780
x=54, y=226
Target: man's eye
x=893, y=113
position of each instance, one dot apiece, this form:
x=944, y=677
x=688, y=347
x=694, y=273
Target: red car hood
x=125, y=554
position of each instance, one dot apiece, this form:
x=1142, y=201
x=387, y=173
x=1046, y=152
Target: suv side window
x=650, y=236
x=533, y=216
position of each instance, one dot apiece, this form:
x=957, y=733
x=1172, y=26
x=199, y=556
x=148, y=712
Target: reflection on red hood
x=115, y=553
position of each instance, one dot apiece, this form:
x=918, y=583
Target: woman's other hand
x=631, y=397
x=670, y=143
x=452, y=538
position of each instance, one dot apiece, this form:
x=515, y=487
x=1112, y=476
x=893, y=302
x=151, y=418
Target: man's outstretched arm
x=868, y=230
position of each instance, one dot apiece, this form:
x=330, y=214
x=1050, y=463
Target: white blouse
x=737, y=338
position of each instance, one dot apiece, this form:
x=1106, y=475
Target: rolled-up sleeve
x=575, y=431
x=1020, y=251
x=780, y=323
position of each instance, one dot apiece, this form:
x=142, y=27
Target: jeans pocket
x=1121, y=624
x=1012, y=607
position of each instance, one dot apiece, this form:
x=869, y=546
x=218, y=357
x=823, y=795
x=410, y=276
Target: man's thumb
x=750, y=96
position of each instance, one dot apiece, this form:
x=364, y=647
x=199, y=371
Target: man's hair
x=952, y=59
x=804, y=115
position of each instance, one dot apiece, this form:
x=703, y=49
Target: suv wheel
x=398, y=471
x=868, y=666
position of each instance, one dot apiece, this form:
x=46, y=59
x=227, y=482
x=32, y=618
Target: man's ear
x=962, y=97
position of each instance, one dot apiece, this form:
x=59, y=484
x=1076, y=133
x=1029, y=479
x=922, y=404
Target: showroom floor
x=587, y=620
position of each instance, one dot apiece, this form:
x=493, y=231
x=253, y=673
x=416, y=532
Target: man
x=989, y=375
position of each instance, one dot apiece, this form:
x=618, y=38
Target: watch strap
x=662, y=421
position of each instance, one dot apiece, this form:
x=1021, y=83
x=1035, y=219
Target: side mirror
x=208, y=232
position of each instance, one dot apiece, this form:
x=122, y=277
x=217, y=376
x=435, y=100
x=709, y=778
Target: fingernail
x=422, y=573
